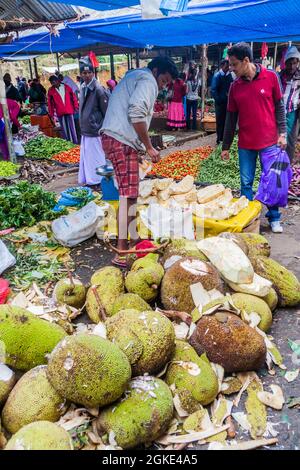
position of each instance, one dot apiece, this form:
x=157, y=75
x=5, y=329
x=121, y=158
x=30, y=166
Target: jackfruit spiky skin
x=257, y=244
x=142, y=415
x=145, y=262
x=229, y=341
x=32, y=399
x=175, y=288
x=65, y=293
x=109, y=284
x=88, y=370
x=193, y=390
x=130, y=301
x=285, y=283
x=27, y=339
x=250, y=303
x=184, y=248
x=145, y=281
x=41, y=435
x=271, y=299
x=7, y=382
x=147, y=338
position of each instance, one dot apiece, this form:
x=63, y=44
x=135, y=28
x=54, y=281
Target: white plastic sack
x=228, y=259
x=173, y=222
x=7, y=260
x=75, y=228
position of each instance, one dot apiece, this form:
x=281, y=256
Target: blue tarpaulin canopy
x=252, y=20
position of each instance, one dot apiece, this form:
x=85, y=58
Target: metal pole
x=128, y=61
x=112, y=65
x=3, y=101
x=275, y=55
x=137, y=57
x=30, y=69
x=203, y=79
x=251, y=46
x=57, y=61
x=35, y=68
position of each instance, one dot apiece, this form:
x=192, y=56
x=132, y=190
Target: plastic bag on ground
x=275, y=179
x=7, y=260
x=75, y=228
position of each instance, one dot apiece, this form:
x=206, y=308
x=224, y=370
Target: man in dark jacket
x=93, y=106
x=220, y=88
x=11, y=91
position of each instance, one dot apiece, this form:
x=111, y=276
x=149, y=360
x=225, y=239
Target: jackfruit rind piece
x=88, y=370
x=147, y=338
x=142, y=415
x=27, y=339
x=256, y=410
x=32, y=399
x=130, y=301
x=285, y=283
x=260, y=287
x=41, y=435
x=195, y=381
x=175, y=289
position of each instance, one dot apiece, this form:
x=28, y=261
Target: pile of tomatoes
x=69, y=157
x=179, y=164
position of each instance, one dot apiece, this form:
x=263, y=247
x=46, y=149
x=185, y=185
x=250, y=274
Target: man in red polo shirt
x=256, y=103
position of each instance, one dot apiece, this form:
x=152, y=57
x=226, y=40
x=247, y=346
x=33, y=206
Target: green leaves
x=44, y=148
x=25, y=204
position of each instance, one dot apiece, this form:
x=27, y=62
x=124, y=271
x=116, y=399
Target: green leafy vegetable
x=214, y=170
x=45, y=147
x=25, y=204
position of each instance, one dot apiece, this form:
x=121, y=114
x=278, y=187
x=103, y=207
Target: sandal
x=120, y=261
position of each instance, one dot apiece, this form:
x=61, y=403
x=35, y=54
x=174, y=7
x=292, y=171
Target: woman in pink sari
x=13, y=110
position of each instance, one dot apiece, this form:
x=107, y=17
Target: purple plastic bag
x=276, y=177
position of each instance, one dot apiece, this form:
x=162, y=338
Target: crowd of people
x=113, y=122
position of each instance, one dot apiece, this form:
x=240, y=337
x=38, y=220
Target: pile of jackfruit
x=170, y=337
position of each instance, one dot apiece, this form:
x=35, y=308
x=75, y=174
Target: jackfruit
x=183, y=248
x=27, y=338
x=41, y=435
x=130, y=301
x=285, y=283
x=237, y=239
x=195, y=381
x=88, y=370
x=271, y=299
x=230, y=342
x=72, y=295
x=145, y=282
x=145, y=262
x=175, y=288
x=7, y=382
x=32, y=399
x=109, y=284
x=257, y=244
x=141, y=416
x=147, y=339
x=251, y=304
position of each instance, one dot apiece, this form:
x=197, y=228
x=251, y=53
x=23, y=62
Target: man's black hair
x=164, y=65
x=53, y=78
x=241, y=50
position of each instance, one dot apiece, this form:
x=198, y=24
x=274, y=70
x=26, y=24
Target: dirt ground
x=92, y=255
